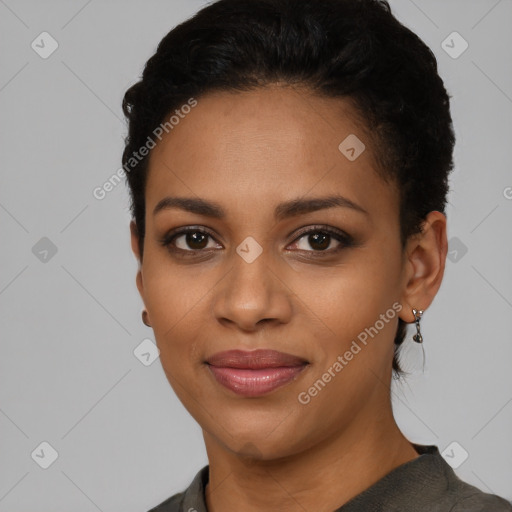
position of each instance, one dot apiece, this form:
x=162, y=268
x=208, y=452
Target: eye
x=190, y=239
x=315, y=239
x=321, y=239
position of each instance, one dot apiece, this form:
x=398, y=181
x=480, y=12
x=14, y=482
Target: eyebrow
x=282, y=211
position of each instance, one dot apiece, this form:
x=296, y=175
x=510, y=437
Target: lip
x=255, y=373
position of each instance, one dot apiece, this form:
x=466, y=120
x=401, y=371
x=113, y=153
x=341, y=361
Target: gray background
x=71, y=320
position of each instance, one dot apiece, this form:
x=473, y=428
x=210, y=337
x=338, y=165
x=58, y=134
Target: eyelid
x=314, y=228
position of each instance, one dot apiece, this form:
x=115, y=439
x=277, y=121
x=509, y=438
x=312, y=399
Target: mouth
x=255, y=373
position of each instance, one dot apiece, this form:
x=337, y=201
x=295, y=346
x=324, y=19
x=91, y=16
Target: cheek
x=351, y=296
x=176, y=299
x=343, y=308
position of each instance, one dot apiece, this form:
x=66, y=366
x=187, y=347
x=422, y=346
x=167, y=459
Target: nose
x=252, y=296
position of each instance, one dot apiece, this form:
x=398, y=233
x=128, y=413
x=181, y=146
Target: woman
x=288, y=165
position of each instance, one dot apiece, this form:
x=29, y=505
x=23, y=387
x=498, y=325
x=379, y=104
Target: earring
x=145, y=318
x=418, y=338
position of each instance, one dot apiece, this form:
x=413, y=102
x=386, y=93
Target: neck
x=321, y=478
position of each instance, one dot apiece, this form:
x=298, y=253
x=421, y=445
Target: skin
x=248, y=152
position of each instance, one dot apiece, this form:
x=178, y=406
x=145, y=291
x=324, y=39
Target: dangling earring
x=418, y=338
x=145, y=318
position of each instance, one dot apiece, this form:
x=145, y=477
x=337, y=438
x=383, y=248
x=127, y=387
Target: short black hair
x=351, y=49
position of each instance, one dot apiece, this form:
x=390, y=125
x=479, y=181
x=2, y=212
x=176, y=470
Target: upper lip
x=255, y=359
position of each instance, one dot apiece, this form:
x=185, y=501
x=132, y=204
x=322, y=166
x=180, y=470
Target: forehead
x=272, y=143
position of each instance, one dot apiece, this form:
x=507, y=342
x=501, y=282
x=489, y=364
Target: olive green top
x=427, y=483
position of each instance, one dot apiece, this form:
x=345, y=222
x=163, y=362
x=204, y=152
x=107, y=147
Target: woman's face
x=271, y=273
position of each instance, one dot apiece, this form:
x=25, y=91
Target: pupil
x=321, y=239
x=196, y=240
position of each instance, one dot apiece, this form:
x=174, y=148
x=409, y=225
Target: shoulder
x=475, y=500
x=429, y=483
x=190, y=499
x=172, y=504
x=464, y=497
x=468, y=498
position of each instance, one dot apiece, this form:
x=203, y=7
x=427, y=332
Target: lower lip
x=259, y=382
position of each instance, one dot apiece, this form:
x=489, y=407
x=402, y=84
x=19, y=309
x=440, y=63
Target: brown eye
x=320, y=239
x=189, y=240
x=196, y=240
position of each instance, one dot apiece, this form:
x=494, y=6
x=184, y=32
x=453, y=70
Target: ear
x=425, y=259
x=134, y=238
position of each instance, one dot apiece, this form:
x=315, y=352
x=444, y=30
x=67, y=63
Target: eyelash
x=345, y=240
